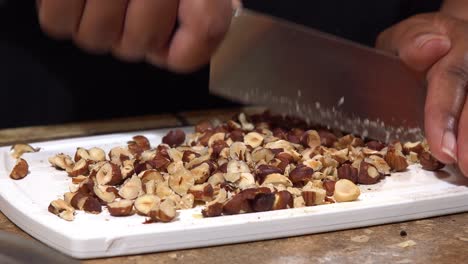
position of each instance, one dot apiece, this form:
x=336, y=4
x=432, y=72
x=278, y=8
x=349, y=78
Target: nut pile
x=247, y=164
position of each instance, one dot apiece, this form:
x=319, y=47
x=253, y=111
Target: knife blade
x=326, y=80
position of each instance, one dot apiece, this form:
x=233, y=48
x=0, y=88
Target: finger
x=445, y=98
x=58, y=18
x=101, y=25
x=202, y=27
x=148, y=25
x=463, y=140
x=418, y=42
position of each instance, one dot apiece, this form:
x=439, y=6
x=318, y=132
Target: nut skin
x=202, y=192
x=236, y=135
x=174, y=138
x=213, y=210
x=120, y=208
x=283, y=200
x=264, y=170
x=375, y=145
x=368, y=174
x=203, y=126
x=263, y=202
x=217, y=147
x=309, y=198
x=428, y=162
x=20, y=170
x=329, y=186
x=92, y=205
x=81, y=167
x=327, y=138
x=142, y=142
x=396, y=161
x=109, y=174
x=346, y=171
x=300, y=174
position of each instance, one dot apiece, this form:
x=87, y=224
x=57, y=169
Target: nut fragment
x=145, y=203
x=119, y=154
x=18, y=150
x=109, y=174
x=79, y=168
x=61, y=161
x=277, y=179
x=104, y=193
x=20, y=170
x=253, y=139
x=215, y=207
x=62, y=209
x=165, y=213
x=368, y=174
x=202, y=192
x=311, y=139
x=346, y=191
x=131, y=188
x=396, y=160
x=120, y=208
x=174, y=138
x=428, y=162
x=301, y=173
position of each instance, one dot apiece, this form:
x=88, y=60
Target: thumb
x=418, y=42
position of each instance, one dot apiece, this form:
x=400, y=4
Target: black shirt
x=44, y=81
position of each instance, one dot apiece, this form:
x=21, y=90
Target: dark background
x=43, y=81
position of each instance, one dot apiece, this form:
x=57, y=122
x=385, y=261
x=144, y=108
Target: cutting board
x=412, y=194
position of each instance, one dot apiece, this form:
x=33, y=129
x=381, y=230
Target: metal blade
x=329, y=81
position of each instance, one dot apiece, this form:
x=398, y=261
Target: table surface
x=435, y=240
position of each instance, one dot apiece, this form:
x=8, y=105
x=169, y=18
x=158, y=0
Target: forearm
x=456, y=8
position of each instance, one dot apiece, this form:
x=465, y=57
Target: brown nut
x=109, y=174
x=253, y=139
x=61, y=161
x=203, y=126
x=263, y=170
x=346, y=191
x=118, y=155
x=131, y=188
x=277, y=179
x=62, y=209
x=93, y=154
x=396, y=160
x=186, y=202
x=217, y=147
x=201, y=172
x=311, y=139
x=327, y=138
x=81, y=167
x=416, y=147
x=92, y=205
x=263, y=202
x=379, y=163
x=127, y=169
x=145, y=203
x=283, y=200
x=190, y=155
x=215, y=207
x=174, y=138
x=120, y=208
x=264, y=154
x=142, y=142
x=368, y=174
x=428, y=162
x=165, y=213
x=18, y=150
x=346, y=171
x=236, y=135
x=20, y=170
x=149, y=175
x=375, y=145
x=301, y=173
x=181, y=181
x=313, y=195
x=105, y=193
x=329, y=186
x=202, y=192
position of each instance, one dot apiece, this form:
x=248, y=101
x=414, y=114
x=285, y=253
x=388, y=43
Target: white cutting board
x=404, y=196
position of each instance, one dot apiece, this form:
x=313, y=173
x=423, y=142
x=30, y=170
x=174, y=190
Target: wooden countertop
x=435, y=240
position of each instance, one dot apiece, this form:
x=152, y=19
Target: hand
x=436, y=44
x=178, y=34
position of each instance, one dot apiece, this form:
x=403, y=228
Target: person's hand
x=178, y=34
x=437, y=45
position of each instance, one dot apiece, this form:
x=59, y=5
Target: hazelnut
x=299, y=202
x=313, y=195
x=314, y=164
x=18, y=150
x=109, y=174
x=127, y=169
x=253, y=139
x=277, y=179
x=283, y=200
x=104, y=193
x=368, y=174
x=78, y=179
x=215, y=207
x=329, y=187
x=119, y=154
x=239, y=151
x=186, y=202
x=239, y=203
x=81, y=167
x=416, y=147
x=236, y=135
x=237, y=166
x=174, y=138
x=145, y=203
x=62, y=209
x=163, y=190
x=396, y=160
x=216, y=137
x=379, y=163
x=203, y=126
x=120, y=208
x=262, y=154
x=311, y=139
x=375, y=145
x=327, y=138
x=346, y=191
x=246, y=180
x=92, y=205
x=428, y=162
x=61, y=161
x=263, y=170
x=131, y=188
x=217, y=147
x=204, y=138
x=202, y=192
x=20, y=170
x=181, y=181
x=142, y=142
x=301, y=173
x=151, y=175
x=263, y=202
x=201, y=172
x=149, y=187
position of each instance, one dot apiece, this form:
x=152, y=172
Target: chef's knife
x=329, y=81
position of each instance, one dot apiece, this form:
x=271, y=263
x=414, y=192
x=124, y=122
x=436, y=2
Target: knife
x=326, y=80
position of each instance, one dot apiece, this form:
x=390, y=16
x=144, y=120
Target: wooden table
x=436, y=240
